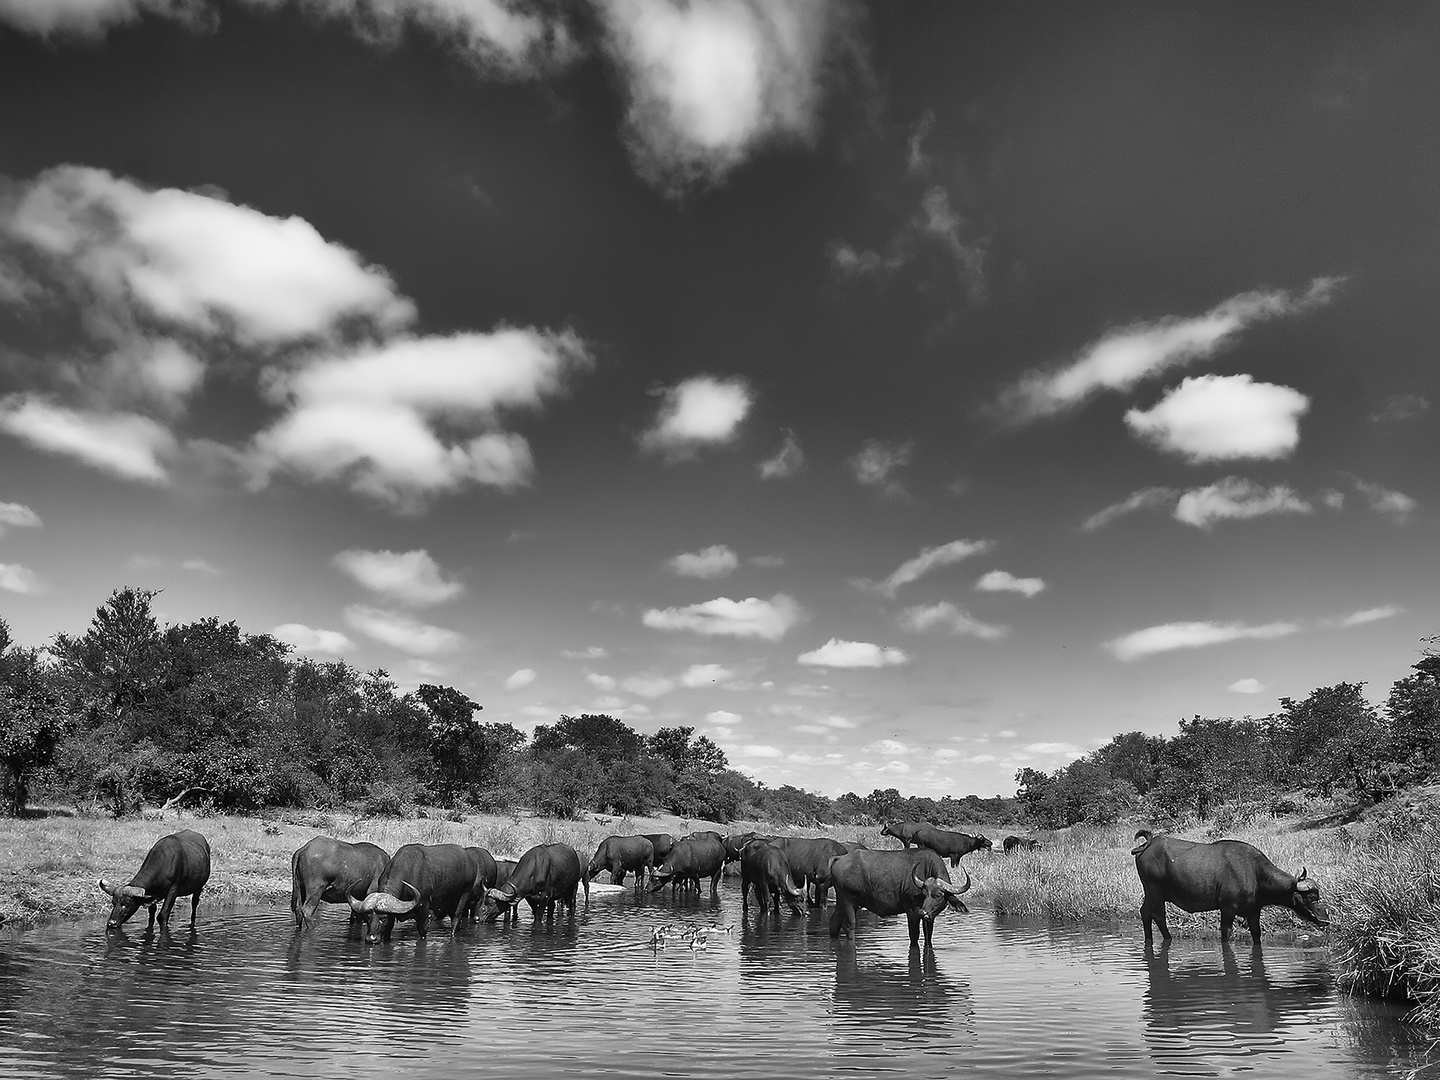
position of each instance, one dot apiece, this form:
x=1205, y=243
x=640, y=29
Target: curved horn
x=918, y=883
x=106, y=887
x=500, y=896
x=956, y=890
x=1302, y=874
x=387, y=904
x=358, y=906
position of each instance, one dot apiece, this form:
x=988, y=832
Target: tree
x=1334, y=738
x=1413, y=710
x=31, y=720
x=456, y=749
x=118, y=657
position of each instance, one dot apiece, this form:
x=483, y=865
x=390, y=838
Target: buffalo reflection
x=887, y=1004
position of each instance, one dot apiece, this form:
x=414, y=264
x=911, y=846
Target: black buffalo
x=904, y=831
x=891, y=882
x=325, y=870
x=952, y=845
x=735, y=843
x=487, y=876
x=618, y=854
x=177, y=865
x=764, y=868
x=545, y=875
x=1019, y=843
x=690, y=860
x=809, y=858
x=662, y=842
x=438, y=878
x=1228, y=876
x=504, y=870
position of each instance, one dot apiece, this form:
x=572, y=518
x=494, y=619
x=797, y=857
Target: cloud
x=126, y=445
x=931, y=559
x=307, y=640
x=1246, y=686
x=876, y=463
x=600, y=682
x=722, y=718
x=1235, y=498
x=1191, y=635
x=787, y=461
x=590, y=652
x=853, y=654
x=711, y=562
x=1150, y=498
x=402, y=631
x=698, y=675
x=1395, y=505
x=710, y=82
x=1369, y=615
x=20, y=579
x=754, y=751
x=90, y=18
x=1127, y=355
x=766, y=562
x=1397, y=408
x=17, y=516
x=1004, y=581
x=648, y=685
x=408, y=577
x=520, y=679
x=200, y=566
x=1053, y=749
x=921, y=618
x=698, y=412
x=1223, y=417
x=723, y=617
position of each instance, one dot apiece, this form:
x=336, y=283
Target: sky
x=900, y=395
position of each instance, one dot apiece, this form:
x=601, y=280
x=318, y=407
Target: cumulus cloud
x=759, y=751
x=853, y=654
x=723, y=718
x=20, y=579
x=1395, y=505
x=711, y=562
x=1004, y=581
x=520, y=679
x=698, y=675
x=1236, y=499
x=126, y=445
x=699, y=412
x=308, y=640
x=923, y=617
x=723, y=617
x=1125, y=356
x=876, y=463
x=1245, y=686
x=402, y=631
x=409, y=577
x=1223, y=417
x=1150, y=498
x=787, y=461
x=1191, y=635
x=599, y=681
x=1369, y=615
x=931, y=559
x=17, y=516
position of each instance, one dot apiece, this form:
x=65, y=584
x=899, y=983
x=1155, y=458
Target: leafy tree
x=118, y=658
x=1334, y=738
x=1413, y=710
x=32, y=721
x=1133, y=758
x=883, y=805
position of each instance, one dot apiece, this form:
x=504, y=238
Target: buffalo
x=662, y=842
x=889, y=882
x=690, y=860
x=487, y=876
x=1229, y=876
x=619, y=854
x=952, y=845
x=439, y=879
x=1019, y=843
x=904, y=831
x=545, y=874
x=177, y=865
x=735, y=843
x=764, y=868
x=331, y=871
x=809, y=859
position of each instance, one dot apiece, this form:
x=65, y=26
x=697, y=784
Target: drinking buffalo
x=889, y=882
x=325, y=870
x=952, y=845
x=690, y=860
x=809, y=859
x=545, y=874
x=1228, y=876
x=764, y=868
x=619, y=854
x=504, y=870
x=904, y=831
x=177, y=865
x=438, y=878
x=487, y=875
x=1021, y=843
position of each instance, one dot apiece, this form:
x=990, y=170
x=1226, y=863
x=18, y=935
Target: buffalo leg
x=617, y=875
x=1253, y=921
x=194, y=907
x=929, y=925
x=842, y=919
x=422, y=921
x=1153, y=910
x=297, y=901
x=914, y=917
x=165, y=908
x=1227, y=924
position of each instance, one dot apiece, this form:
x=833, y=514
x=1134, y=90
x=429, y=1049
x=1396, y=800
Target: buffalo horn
x=392, y=905
x=1302, y=874
x=133, y=891
x=953, y=890
x=500, y=896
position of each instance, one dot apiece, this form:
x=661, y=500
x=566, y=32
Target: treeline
x=129, y=713
x=1331, y=745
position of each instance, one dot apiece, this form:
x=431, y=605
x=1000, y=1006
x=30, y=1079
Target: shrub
x=385, y=799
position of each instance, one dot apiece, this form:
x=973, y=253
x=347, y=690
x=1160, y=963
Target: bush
x=385, y=799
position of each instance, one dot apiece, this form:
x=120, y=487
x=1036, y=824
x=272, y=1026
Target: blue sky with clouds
x=901, y=395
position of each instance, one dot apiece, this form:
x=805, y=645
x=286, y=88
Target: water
x=245, y=996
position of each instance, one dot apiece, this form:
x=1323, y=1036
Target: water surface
x=246, y=996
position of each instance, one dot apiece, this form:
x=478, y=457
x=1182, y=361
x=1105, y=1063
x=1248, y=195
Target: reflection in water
x=882, y=1006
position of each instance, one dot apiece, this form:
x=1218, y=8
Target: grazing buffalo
x=952, y=845
x=487, y=876
x=690, y=860
x=619, y=854
x=545, y=875
x=889, y=882
x=764, y=868
x=331, y=871
x=439, y=879
x=904, y=831
x=809, y=859
x=1019, y=843
x=662, y=842
x=177, y=865
x=1228, y=876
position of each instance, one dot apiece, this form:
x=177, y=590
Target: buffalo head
x=1305, y=899
x=938, y=894
x=498, y=901
x=382, y=903
x=127, y=900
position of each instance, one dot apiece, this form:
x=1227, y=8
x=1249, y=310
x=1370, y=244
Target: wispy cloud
x=308, y=640
x=1246, y=686
x=1369, y=615
x=711, y=562
x=723, y=617
x=931, y=559
x=699, y=675
x=648, y=685
x=126, y=445
x=876, y=464
x=20, y=579
x=1395, y=505
x=518, y=680
x=787, y=461
x=409, y=577
x=17, y=516
x=1127, y=355
x=836, y=653
x=1236, y=499
x=923, y=617
x=200, y=566
x=1222, y=418
x=1192, y=635
x=590, y=652
x=402, y=631
x=696, y=413
x=1397, y=408
x=1004, y=581
x=1150, y=498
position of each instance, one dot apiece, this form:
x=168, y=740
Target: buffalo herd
x=424, y=882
